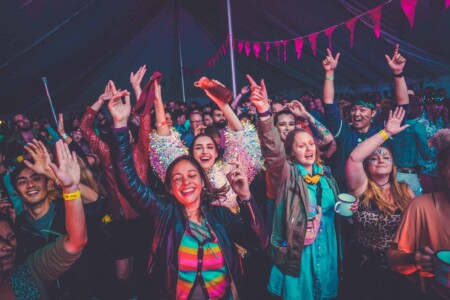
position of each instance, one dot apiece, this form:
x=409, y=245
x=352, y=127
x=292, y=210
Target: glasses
x=197, y=122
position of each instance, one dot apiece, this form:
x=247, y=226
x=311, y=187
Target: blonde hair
x=87, y=177
x=374, y=192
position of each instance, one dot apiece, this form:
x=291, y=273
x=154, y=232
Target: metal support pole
x=178, y=20
x=231, y=49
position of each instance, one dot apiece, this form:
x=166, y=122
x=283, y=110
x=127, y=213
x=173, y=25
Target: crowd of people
x=230, y=200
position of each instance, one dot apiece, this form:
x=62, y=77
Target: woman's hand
x=330, y=63
x=68, y=169
x=41, y=159
x=60, y=128
x=354, y=206
x=136, y=79
x=239, y=181
x=393, y=124
x=120, y=110
x=297, y=109
x=424, y=260
x=259, y=96
x=397, y=62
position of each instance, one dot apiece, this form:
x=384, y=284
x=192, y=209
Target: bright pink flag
x=247, y=48
x=298, y=46
x=256, y=49
x=267, y=44
x=313, y=40
x=329, y=33
x=447, y=4
x=350, y=24
x=375, y=15
x=284, y=47
x=278, y=44
x=409, y=8
x=240, y=46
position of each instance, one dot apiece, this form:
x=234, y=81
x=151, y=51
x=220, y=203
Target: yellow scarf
x=313, y=179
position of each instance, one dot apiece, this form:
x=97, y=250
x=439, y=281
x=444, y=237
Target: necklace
x=384, y=184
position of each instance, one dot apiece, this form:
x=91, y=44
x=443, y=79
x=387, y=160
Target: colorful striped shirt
x=202, y=271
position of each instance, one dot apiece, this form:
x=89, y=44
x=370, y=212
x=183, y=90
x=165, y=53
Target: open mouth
x=7, y=259
x=309, y=156
x=188, y=191
x=32, y=192
x=205, y=158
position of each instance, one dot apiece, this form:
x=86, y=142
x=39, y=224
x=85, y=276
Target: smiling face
x=205, y=152
x=361, y=117
x=169, y=120
x=379, y=162
x=304, y=149
x=8, y=245
x=32, y=187
x=285, y=124
x=186, y=184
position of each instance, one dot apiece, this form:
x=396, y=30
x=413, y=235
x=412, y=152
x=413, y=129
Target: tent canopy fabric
x=80, y=45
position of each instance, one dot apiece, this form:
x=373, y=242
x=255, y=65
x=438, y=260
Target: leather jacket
x=167, y=214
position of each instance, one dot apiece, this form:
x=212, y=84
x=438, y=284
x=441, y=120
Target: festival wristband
x=264, y=114
x=64, y=136
x=72, y=196
x=159, y=124
x=399, y=75
x=329, y=78
x=383, y=134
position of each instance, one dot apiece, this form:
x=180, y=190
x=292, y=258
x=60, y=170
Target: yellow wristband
x=72, y=196
x=383, y=134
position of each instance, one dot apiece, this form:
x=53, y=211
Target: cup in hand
x=442, y=267
x=344, y=204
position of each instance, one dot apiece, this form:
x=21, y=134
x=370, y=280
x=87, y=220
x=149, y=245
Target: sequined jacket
x=169, y=221
x=116, y=202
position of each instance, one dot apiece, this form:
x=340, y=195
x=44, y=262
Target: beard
x=221, y=124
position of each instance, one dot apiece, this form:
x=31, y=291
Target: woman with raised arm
x=304, y=240
x=425, y=229
x=29, y=280
x=193, y=247
x=371, y=176
x=241, y=143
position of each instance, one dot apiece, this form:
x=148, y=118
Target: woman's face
x=186, y=184
x=205, y=152
x=169, y=120
x=304, y=149
x=285, y=124
x=380, y=162
x=8, y=244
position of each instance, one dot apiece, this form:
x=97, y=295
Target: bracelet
x=399, y=75
x=72, y=196
x=64, y=136
x=264, y=114
x=159, y=124
x=329, y=78
x=383, y=134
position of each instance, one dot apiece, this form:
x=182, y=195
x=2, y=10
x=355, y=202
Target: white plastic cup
x=344, y=205
x=442, y=267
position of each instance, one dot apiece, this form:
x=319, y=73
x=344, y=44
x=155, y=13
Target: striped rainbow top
x=202, y=271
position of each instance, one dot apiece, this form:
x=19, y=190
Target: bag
x=313, y=228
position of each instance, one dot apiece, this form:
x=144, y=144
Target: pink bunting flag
x=298, y=46
x=447, y=4
x=277, y=45
x=350, y=24
x=313, y=40
x=329, y=33
x=224, y=50
x=240, y=45
x=284, y=47
x=247, y=48
x=375, y=15
x=409, y=8
x=267, y=44
x=256, y=49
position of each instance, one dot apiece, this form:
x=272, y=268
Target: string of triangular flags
x=408, y=7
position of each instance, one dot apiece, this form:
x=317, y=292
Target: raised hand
x=60, y=128
x=41, y=159
x=7, y=208
x=199, y=129
x=393, y=124
x=120, y=110
x=259, y=96
x=330, y=63
x=297, y=109
x=108, y=93
x=239, y=181
x=136, y=79
x=396, y=62
x=157, y=86
x=68, y=169
x=245, y=89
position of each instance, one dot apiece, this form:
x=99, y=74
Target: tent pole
x=177, y=8
x=231, y=48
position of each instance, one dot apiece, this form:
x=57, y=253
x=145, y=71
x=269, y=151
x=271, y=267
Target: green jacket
x=290, y=216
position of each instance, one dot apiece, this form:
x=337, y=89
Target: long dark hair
x=209, y=193
x=191, y=148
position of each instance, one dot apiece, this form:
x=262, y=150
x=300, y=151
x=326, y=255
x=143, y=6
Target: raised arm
x=396, y=63
x=354, y=171
x=160, y=113
x=140, y=196
x=245, y=89
x=329, y=65
x=136, y=79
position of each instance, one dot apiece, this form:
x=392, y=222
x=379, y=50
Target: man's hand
x=397, y=62
x=259, y=96
x=41, y=159
x=120, y=110
x=68, y=169
x=330, y=63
